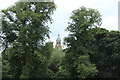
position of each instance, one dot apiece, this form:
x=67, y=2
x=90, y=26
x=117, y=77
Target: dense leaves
x=55, y=63
x=91, y=52
x=24, y=32
x=77, y=61
x=106, y=52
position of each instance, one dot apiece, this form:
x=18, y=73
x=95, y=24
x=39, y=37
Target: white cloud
x=6, y=3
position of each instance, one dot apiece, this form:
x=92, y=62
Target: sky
x=107, y=8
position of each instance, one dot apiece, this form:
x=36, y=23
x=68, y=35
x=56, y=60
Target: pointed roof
x=58, y=38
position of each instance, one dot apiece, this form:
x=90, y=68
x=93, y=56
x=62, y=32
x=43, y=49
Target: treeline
x=91, y=52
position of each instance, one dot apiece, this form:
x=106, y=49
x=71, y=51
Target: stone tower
x=58, y=42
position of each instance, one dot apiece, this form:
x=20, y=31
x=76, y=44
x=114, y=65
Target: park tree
x=105, y=52
x=24, y=30
x=57, y=55
x=77, y=59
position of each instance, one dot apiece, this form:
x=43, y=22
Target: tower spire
x=58, y=42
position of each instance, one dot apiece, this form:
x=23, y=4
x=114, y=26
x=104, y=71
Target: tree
x=106, y=52
x=55, y=62
x=82, y=20
x=56, y=55
x=24, y=32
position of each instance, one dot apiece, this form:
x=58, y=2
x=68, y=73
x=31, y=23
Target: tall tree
x=24, y=31
x=82, y=20
x=106, y=52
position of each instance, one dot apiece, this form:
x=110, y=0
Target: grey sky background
x=107, y=8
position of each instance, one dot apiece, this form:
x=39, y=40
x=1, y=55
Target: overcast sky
x=107, y=8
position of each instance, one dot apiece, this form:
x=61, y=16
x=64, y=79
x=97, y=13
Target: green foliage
x=5, y=64
x=57, y=55
x=25, y=30
x=83, y=19
x=106, y=52
x=91, y=51
x=76, y=61
x=55, y=62
x=0, y=60
x=84, y=67
x=62, y=72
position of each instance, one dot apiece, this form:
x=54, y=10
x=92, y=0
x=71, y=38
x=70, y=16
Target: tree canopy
x=92, y=52
x=77, y=58
x=24, y=30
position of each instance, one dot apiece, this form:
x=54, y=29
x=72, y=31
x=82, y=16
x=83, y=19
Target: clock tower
x=58, y=42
